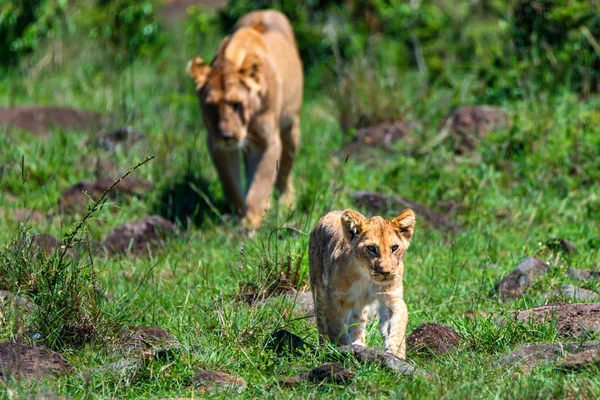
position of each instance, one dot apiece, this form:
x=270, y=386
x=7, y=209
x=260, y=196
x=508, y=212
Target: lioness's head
x=229, y=96
x=378, y=243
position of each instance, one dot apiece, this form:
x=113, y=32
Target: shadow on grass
x=190, y=200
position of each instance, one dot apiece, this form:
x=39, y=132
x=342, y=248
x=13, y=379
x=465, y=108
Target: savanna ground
x=522, y=185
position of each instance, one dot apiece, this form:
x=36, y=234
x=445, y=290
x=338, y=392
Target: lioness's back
x=270, y=20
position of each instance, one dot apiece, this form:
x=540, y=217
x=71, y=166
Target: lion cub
x=353, y=262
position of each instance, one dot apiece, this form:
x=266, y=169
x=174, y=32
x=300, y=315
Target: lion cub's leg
x=393, y=318
x=290, y=139
x=332, y=319
x=358, y=323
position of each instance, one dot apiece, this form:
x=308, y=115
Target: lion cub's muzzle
x=382, y=272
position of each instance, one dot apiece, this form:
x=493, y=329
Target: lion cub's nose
x=384, y=272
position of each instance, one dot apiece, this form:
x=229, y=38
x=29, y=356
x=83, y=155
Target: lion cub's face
x=229, y=96
x=379, y=244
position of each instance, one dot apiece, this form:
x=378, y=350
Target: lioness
x=250, y=98
x=353, y=262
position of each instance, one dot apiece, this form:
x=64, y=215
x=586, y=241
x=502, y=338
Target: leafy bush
x=130, y=27
x=558, y=41
x=23, y=23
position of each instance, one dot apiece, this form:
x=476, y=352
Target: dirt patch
x=580, y=360
x=208, y=381
x=560, y=245
x=139, y=237
x=433, y=338
x=466, y=125
x=41, y=120
x=514, y=284
x=571, y=320
x=149, y=340
x=528, y=357
x=82, y=193
x=43, y=244
x=382, y=136
x=10, y=302
x=377, y=203
x=30, y=363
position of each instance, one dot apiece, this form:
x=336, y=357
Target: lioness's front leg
x=227, y=163
x=261, y=164
x=393, y=318
x=290, y=139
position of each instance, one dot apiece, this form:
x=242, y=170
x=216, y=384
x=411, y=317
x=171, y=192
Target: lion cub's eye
x=372, y=249
x=394, y=248
x=237, y=106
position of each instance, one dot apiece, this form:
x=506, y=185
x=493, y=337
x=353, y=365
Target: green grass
x=517, y=191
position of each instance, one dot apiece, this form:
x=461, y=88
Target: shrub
x=23, y=24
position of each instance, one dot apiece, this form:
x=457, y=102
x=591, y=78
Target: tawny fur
x=250, y=98
x=354, y=262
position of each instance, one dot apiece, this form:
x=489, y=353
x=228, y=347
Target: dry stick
x=97, y=204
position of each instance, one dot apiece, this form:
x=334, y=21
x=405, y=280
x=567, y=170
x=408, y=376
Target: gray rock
x=369, y=355
x=583, y=274
x=574, y=293
x=572, y=320
x=433, y=338
x=514, y=284
x=30, y=363
x=528, y=357
x=208, y=381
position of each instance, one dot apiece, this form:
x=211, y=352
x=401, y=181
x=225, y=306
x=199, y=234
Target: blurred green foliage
x=23, y=24
x=130, y=27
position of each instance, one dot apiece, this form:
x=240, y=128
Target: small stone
x=514, y=284
x=571, y=320
x=331, y=372
x=139, y=236
x=285, y=342
x=575, y=293
x=561, y=245
x=153, y=341
x=433, y=338
x=210, y=381
x=583, y=274
x=30, y=363
x=528, y=357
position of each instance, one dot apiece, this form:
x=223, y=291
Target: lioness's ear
x=251, y=70
x=198, y=70
x=352, y=222
x=405, y=223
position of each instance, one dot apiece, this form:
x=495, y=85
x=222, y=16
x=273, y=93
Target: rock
x=382, y=136
x=574, y=293
x=571, y=320
x=41, y=120
x=583, y=274
x=561, y=245
x=30, y=363
x=285, y=342
x=579, y=360
x=529, y=356
x=22, y=215
x=369, y=355
x=433, y=338
x=330, y=372
x=377, y=203
x=82, y=193
x=125, y=368
x=514, y=284
x=125, y=135
x=9, y=301
x=153, y=341
x=209, y=381
x=467, y=124
x=139, y=236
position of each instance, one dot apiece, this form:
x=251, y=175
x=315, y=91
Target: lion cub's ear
x=353, y=224
x=198, y=70
x=250, y=71
x=405, y=223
